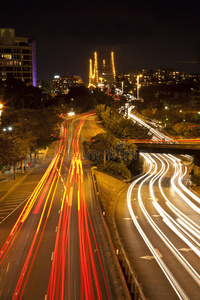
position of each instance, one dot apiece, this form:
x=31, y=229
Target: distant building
x=17, y=57
x=62, y=84
x=128, y=81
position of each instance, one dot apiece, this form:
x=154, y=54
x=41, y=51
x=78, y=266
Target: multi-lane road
x=53, y=245
x=158, y=223
x=52, y=242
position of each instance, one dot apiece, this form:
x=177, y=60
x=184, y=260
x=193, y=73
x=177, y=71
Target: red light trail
x=73, y=210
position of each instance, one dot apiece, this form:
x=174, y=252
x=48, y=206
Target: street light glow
x=71, y=113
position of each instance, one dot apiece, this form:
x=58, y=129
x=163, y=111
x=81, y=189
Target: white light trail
x=176, y=174
x=177, y=288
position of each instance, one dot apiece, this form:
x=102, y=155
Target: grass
x=109, y=188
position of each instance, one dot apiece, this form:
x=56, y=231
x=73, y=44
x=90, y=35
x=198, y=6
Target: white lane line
x=14, y=210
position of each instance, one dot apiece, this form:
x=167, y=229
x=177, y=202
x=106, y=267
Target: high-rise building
x=17, y=57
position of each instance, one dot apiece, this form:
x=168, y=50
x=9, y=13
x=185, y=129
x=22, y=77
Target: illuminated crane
x=102, y=70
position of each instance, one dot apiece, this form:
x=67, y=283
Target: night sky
x=142, y=34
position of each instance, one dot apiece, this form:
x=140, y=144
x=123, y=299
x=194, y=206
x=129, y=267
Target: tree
x=180, y=128
x=118, y=170
x=121, y=127
x=17, y=95
x=80, y=99
x=36, y=128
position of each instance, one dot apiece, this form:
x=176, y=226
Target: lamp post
x=1, y=109
x=138, y=85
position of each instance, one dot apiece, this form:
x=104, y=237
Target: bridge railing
x=175, y=141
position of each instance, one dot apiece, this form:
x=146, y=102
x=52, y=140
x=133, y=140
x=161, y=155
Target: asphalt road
x=158, y=223
x=53, y=245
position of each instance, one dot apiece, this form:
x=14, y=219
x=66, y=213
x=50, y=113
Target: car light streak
x=24, y=214
x=190, y=228
x=191, y=225
x=192, y=195
x=182, y=218
x=177, y=172
x=156, y=134
x=40, y=203
x=183, y=227
x=25, y=272
x=177, y=288
x=74, y=189
x=168, y=220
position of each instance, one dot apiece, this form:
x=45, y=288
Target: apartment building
x=62, y=84
x=17, y=57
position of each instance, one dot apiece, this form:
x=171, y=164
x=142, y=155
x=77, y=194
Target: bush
x=196, y=179
x=116, y=169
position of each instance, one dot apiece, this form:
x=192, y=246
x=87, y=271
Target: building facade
x=62, y=84
x=17, y=57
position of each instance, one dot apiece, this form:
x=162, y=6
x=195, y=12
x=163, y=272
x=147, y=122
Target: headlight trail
x=156, y=134
x=177, y=288
x=182, y=218
x=186, y=199
x=179, y=223
x=190, y=193
x=170, y=222
x=153, y=176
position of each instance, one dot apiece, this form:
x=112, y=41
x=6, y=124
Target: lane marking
x=147, y=257
x=185, y=249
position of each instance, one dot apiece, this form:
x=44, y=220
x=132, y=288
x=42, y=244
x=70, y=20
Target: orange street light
x=138, y=86
x=1, y=109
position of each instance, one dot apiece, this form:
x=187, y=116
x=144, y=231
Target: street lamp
x=138, y=85
x=1, y=109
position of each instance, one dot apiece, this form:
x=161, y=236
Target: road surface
x=53, y=245
x=158, y=222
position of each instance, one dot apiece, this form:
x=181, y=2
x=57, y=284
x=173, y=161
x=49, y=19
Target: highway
x=53, y=245
x=159, y=228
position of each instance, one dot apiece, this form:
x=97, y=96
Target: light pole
x=1, y=109
x=138, y=85
x=122, y=86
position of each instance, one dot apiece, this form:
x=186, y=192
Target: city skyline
x=141, y=34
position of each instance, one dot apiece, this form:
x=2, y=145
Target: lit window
x=6, y=56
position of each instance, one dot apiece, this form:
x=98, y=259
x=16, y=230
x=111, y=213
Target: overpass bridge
x=169, y=147
x=190, y=147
